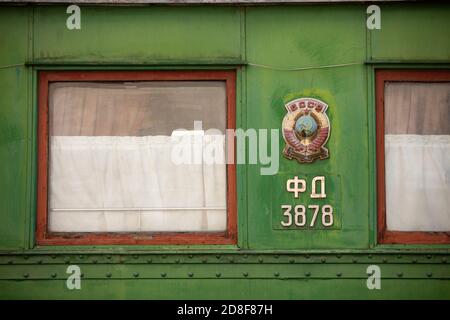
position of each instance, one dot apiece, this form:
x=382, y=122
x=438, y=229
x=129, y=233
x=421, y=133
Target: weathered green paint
x=301, y=37
x=246, y=257
x=138, y=34
x=415, y=34
x=268, y=40
x=234, y=271
x=188, y=289
x=14, y=128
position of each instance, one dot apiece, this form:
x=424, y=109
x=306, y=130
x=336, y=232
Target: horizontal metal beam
x=138, y=209
x=227, y=259
x=186, y=2
x=406, y=62
x=57, y=61
x=218, y=271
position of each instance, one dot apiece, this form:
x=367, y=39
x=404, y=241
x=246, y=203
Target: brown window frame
x=399, y=237
x=44, y=237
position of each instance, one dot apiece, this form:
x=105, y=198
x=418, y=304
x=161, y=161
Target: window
x=413, y=156
x=121, y=157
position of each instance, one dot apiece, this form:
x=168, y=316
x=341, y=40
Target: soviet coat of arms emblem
x=306, y=129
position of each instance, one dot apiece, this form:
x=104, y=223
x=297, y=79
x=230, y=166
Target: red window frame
x=399, y=237
x=44, y=237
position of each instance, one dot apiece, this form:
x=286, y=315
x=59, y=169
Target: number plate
x=298, y=205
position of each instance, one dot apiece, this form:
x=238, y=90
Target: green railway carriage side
x=297, y=233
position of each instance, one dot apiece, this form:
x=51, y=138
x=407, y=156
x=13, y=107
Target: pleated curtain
x=417, y=151
x=112, y=165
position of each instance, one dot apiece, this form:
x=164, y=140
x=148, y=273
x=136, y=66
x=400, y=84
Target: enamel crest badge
x=306, y=129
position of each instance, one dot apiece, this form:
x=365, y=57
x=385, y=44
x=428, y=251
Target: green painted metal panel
x=138, y=34
x=34, y=257
x=14, y=153
x=419, y=32
x=14, y=128
x=304, y=37
x=227, y=289
x=14, y=35
x=322, y=270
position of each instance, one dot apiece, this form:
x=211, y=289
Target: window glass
x=115, y=167
x=417, y=156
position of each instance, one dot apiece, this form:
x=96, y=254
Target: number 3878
x=298, y=215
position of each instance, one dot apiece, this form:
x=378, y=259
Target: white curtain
x=131, y=184
x=417, y=182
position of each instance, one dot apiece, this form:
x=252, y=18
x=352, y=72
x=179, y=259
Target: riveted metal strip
x=134, y=258
x=235, y=271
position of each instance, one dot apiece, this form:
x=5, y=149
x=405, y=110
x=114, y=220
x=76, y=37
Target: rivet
x=276, y=274
x=231, y=260
x=108, y=256
x=308, y=274
x=323, y=260
x=260, y=260
x=81, y=257
x=400, y=274
x=245, y=256
x=25, y=257
x=53, y=256
x=276, y=256
x=191, y=256
x=444, y=260
x=136, y=274
x=149, y=260
x=384, y=260
x=204, y=260
x=39, y=261
x=339, y=274
x=94, y=261
x=218, y=274
x=26, y=275
x=291, y=261
x=53, y=275
x=414, y=260
x=355, y=261
x=307, y=256
x=82, y=275
x=177, y=260
x=164, y=256
x=429, y=274
x=399, y=256
x=429, y=256
x=163, y=274
x=218, y=256
x=190, y=274
x=245, y=274
x=108, y=275
x=370, y=256
x=10, y=262
x=338, y=256
x=135, y=256
x=67, y=261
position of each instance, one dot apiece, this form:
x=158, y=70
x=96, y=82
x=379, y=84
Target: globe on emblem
x=306, y=126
